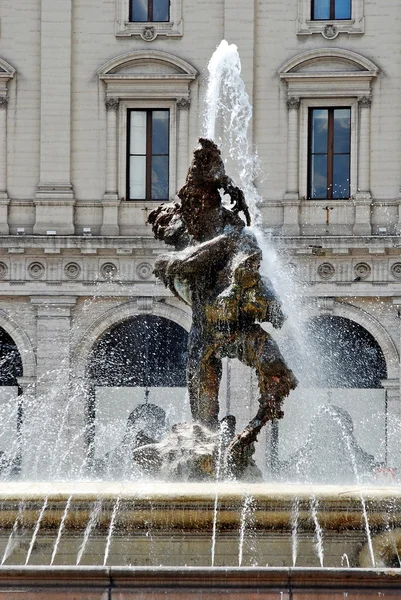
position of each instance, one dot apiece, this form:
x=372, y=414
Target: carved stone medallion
x=326, y=270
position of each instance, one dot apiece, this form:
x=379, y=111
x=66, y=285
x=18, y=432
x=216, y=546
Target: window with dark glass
x=329, y=153
x=145, y=11
x=323, y=10
x=148, y=154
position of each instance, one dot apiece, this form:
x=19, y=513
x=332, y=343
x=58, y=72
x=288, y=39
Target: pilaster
x=362, y=225
x=53, y=316
x=183, y=105
x=111, y=201
x=291, y=201
x=54, y=199
x=4, y=201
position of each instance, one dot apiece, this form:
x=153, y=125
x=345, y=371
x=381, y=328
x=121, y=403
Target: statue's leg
x=276, y=380
x=203, y=379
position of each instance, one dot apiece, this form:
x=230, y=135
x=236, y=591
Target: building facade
x=101, y=104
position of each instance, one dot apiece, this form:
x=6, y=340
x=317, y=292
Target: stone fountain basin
x=177, y=524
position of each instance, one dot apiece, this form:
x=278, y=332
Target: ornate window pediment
x=328, y=71
x=147, y=74
x=7, y=72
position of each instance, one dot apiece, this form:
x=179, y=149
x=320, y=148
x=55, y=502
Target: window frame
x=330, y=28
x=148, y=105
x=148, y=30
x=330, y=154
x=305, y=106
x=148, y=156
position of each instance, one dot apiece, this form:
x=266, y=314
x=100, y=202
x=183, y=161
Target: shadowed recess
x=146, y=350
x=349, y=354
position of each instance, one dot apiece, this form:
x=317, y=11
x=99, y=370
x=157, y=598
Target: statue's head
x=207, y=164
x=201, y=202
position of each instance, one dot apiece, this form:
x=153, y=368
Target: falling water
x=318, y=530
x=294, y=530
x=93, y=517
x=347, y=440
x=223, y=431
x=344, y=560
x=60, y=529
x=111, y=529
x=35, y=533
x=247, y=508
x=10, y=542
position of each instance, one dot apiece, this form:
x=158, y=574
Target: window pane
x=341, y=176
x=342, y=125
x=161, y=9
x=139, y=10
x=319, y=130
x=160, y=131
x=159, y=177
x=321, y=9
x=319, y=177
x=342, y=9
x=137, y=178
x=138, y=132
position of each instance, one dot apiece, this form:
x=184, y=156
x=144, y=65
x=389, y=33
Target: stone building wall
x=68, y=73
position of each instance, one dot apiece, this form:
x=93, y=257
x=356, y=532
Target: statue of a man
x=215, y=270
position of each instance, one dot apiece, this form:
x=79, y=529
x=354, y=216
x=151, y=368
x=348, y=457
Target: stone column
x=362, y=225
x=291, y=198
x=54, y=198
x=4, y=201
x=110, y=199
x=183, y=105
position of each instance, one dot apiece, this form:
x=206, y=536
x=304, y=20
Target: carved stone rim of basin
x=191, y=505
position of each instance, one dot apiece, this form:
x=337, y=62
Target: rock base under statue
x=191, y=452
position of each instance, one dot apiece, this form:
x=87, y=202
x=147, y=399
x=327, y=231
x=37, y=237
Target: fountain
x=193, y=514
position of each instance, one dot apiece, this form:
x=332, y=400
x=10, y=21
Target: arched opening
x=335, y=424
x=10, y=405
x=137, y=373
x=144, y=351
x=10, y=360
x=349, y=356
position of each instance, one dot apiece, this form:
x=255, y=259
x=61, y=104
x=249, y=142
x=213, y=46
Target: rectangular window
x=148, y=154
x=329, y=155
x=324, y=10
x=149, y=11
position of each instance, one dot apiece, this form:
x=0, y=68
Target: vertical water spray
x=227, y=103
x=61, y=529
x=318, y=530
x=35, y=533
x=93, y=517
x=246, y=512
x=111, y=529
x=294, y=530
x=228, y=110
x=223, y=431
x=11, y=538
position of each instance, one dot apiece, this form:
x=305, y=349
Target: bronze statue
x=215, y=270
